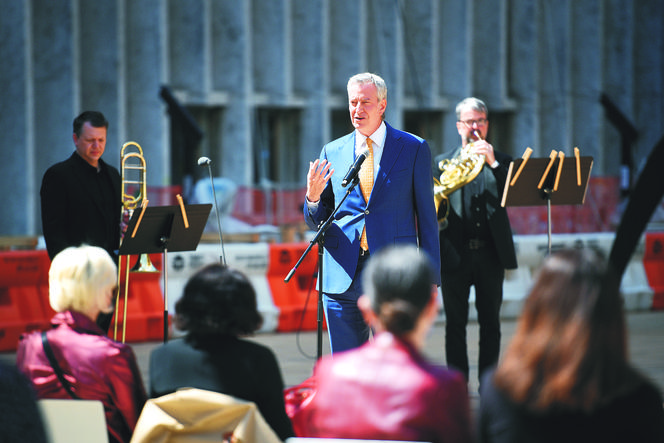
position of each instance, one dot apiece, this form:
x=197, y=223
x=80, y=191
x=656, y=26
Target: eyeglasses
x=479, y=122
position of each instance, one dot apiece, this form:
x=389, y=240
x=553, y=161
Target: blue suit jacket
x=400, y=209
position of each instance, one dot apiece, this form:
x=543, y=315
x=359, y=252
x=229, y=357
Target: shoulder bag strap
x=56, y=366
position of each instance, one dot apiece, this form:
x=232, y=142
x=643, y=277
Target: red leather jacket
x=97, y=367
x=386, y=390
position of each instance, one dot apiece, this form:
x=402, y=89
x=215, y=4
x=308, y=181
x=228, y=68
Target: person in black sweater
x=217, y=308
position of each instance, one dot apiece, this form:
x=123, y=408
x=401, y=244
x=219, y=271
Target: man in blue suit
x=399, y=207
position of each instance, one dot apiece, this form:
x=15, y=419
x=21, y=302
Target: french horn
x=455, y=173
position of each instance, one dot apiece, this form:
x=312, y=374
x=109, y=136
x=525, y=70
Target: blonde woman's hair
x=79, y=277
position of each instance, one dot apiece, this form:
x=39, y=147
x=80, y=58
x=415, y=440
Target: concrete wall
x=266, y=79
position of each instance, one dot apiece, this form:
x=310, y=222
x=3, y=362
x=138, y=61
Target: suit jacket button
x=366, y=212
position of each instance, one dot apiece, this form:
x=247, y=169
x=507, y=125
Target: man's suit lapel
x=391, y=151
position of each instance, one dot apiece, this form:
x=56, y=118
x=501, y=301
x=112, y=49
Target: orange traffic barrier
x=23, y=284
x=297, y=300
x=653, y=262
x=145, y=305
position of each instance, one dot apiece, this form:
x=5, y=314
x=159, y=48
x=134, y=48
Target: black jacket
x=73, y=209
x=452, y=238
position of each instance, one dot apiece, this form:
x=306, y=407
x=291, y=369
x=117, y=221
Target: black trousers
x=482, y=269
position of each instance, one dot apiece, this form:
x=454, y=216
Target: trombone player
x=80, y=196
x=476, y=245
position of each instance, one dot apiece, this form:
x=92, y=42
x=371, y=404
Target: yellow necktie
x=366, y=185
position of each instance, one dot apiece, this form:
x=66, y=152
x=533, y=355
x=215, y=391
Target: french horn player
x=476, y=244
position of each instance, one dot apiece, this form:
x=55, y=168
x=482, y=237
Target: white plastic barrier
x=531, y=249
x=250, y=258
x=253, y=260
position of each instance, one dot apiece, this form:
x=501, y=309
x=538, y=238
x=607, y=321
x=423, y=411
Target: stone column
x=21, y=177
x=98, y=69
x=231, y=71
x=54, y=92
x=144, y=72
x=309, y=69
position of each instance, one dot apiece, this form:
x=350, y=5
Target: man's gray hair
x=471, y=103
x=368, y=77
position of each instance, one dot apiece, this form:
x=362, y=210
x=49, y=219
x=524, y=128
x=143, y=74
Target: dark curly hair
x=218, y=300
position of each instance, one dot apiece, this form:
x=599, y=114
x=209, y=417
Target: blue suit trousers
x=346, y=327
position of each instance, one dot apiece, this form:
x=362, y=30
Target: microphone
x=355, y=169
x=204, y=161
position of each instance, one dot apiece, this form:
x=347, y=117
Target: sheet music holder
x=547, y=181
x=162, y=229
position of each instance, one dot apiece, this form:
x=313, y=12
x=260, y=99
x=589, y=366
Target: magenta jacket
x=97, y=367
x=386, y=390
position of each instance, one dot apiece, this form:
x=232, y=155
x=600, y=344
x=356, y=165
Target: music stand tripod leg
x=165, y=274
x=548, y=210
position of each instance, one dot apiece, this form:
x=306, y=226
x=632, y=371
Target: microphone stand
x=320, y=239
x=216, y=209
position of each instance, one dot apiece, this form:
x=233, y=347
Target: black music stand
x=162, y=229
x=547, y=181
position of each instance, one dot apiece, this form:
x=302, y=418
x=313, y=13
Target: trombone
x=133, y=172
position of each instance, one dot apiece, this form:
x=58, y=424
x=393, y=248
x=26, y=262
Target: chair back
x=73, y=421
